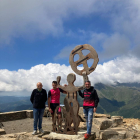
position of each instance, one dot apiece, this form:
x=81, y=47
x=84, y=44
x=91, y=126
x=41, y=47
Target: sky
x=37, y=36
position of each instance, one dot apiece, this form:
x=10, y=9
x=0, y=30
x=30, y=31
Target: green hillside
x=121, y=99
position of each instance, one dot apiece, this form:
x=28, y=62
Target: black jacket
x=90, y=96
x=38, y=99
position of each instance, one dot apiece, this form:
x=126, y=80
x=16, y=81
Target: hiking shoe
x=86, y=136
x=41, y=131
x=34, y=132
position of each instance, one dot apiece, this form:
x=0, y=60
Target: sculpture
x=69, y=124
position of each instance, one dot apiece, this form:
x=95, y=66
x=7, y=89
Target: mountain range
x=120, y=99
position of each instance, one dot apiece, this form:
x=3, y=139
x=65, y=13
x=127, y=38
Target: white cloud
x=111, y=46
x=115, y=45
x=123, y=70
x=123, y=37
x=64, y=53
x=27, y=18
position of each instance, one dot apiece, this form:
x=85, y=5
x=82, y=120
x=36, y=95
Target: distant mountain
x=121, y=99
x=12, y=103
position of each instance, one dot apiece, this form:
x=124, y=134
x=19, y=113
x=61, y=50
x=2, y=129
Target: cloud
x=110, y=46
x=37, y=19
x=64, y=53
x=30, y=18
x=123, y=35
x=121, y=69
x=113, y=46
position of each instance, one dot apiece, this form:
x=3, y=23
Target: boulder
x=117, y=120
x=82, y=126
x=81, y=115
x=100, y=124
x=130, y=134
x=103, y=123
x=112, y=135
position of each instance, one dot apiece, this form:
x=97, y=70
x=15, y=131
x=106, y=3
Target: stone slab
x=103, y=123
x=97, y=115
x=10, y=116
x=57, y=136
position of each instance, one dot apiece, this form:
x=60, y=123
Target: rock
x=57, y=136
x=81, y=115
x=1, y=125
x=117, y=121
x=2, y=131
x=106, y=135
x=82, y=132
x=92, y=137
x=96, y=115
x=29, y=113
x=26, y=137
x=112, y=135
x=100, y=124
x=82, y=126
x=103, y=123
x=112, y=117
x=130, y=134
x=122, y=134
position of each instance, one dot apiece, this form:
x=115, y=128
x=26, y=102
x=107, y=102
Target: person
x=90, y=104
x=38, y=99
x=54, y=99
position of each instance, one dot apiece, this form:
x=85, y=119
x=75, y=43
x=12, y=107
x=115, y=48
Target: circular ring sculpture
x=70, y=122
x=83, y=59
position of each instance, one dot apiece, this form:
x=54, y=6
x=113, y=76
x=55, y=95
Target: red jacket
x=90, y=96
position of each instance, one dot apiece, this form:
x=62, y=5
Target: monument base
x=80, y=136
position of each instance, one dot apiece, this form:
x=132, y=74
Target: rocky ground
x=25, y=125
x=104, y=127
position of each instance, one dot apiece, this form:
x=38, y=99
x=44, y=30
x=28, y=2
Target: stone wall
x=16, y=115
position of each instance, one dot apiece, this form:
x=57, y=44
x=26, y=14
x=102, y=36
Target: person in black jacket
x=38, y=99
x=90, y=104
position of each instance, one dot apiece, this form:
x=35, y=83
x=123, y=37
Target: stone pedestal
x=80, y=136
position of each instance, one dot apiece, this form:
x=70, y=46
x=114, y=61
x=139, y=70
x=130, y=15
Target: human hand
x=50, y=110
x=58, y=79
x=94, y=110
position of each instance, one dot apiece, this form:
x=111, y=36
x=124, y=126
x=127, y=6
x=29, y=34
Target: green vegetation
x=122, y=99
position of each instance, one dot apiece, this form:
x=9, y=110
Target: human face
x=54, y=85
x=87, y=85
x=39, y=86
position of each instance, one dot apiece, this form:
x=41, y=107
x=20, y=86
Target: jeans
x=38, y=114
x=89, y=116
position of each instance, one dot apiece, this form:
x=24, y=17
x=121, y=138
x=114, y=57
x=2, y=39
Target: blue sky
x=23, y=53
x=44, y=32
